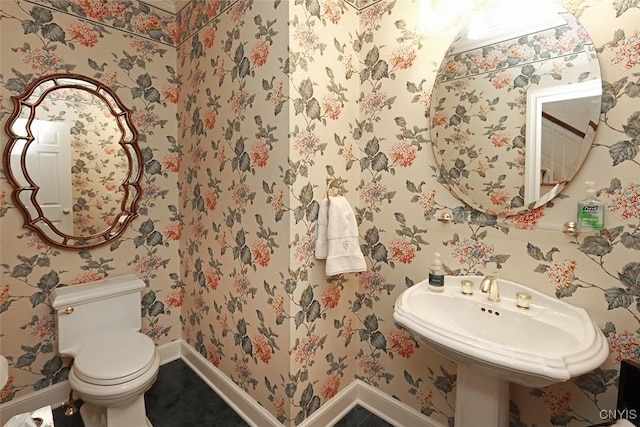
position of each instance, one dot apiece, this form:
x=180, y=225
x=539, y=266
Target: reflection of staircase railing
x=561, y=144
x=554, y=183
x=563, y=125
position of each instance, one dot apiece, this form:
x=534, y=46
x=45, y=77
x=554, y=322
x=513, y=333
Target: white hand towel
x=344, y=254
x=322, y=244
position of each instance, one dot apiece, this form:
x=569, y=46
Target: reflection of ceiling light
x=478, y=28
x=508, y=19
x=438, y=15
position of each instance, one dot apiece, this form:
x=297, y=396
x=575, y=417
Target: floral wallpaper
x=270, y=99
x=478, y=112
x=234, y=248
x=87, y=38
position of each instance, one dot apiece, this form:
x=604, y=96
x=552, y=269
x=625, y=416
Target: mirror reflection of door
x=563, y=136
x=49, y=164
x=98, y=164
x=560, y=128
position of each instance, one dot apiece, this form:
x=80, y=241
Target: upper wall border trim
x=122, y=30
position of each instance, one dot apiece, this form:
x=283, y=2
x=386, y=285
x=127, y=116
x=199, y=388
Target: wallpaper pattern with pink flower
x=245, y=108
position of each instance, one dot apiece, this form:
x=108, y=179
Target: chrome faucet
x=490, y=285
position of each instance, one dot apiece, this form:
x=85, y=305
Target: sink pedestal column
x=481, y=399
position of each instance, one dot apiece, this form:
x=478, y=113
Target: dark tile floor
x=360, y=417
x=179, y=398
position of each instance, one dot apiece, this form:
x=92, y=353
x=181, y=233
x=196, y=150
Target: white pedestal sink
x=495, y=343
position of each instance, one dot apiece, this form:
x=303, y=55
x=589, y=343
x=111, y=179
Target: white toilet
x=98, y=324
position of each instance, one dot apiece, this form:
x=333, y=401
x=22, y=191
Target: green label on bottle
x=590, y=217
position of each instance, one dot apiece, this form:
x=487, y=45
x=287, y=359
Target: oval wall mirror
x=73, y=161
x=515, y=106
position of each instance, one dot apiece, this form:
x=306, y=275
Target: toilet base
x=132, y=415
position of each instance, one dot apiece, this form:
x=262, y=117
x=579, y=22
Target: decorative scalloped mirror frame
x=25, y=189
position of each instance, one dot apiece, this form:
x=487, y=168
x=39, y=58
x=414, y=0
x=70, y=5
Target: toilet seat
x=114, y=359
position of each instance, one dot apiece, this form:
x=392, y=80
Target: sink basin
x=498, y=342
x=551, y=341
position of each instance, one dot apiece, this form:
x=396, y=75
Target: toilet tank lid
x=66, y=296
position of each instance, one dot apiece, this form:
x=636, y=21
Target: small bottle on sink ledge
x=436, y=274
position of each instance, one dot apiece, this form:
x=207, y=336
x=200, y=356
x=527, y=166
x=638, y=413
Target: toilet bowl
x=114, y=364
x=113, y=386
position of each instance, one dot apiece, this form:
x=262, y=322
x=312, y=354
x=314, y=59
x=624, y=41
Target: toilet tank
x=100, y=307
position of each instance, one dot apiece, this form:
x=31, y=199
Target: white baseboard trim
x=170, y=351
x=57, y=394
x=392, y=410
x=250, y=410
x=382, y=405
x=357, y=393
x=336, y=408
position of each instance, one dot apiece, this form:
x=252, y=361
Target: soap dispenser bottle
x=436, y=274
x=590, y=211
